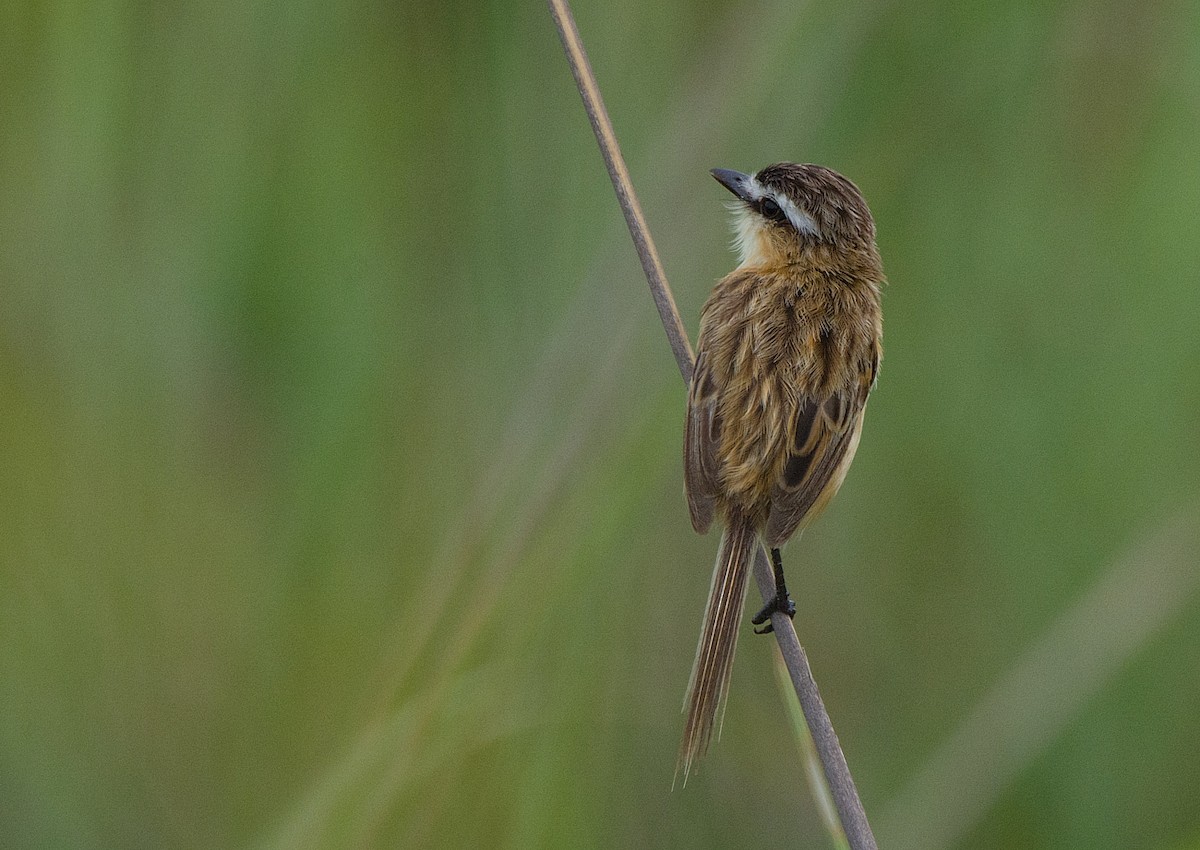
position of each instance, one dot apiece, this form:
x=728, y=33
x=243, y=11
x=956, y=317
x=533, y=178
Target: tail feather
x=708, y=687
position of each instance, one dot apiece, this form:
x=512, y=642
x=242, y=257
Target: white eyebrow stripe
x=800, y=220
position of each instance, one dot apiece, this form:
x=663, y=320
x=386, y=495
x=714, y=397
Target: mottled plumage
x=789, y=347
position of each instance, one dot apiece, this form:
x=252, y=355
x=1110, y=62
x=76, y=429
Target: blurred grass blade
x=1048, y=684
x=808, y=752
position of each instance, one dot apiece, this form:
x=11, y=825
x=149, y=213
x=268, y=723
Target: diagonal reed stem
x=833, y=761
x=589, y=90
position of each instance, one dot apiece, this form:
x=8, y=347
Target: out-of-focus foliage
x=340, y=491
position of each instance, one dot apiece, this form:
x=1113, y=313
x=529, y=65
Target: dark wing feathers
x=701, y=435
x=824, y=441
x=826, y=432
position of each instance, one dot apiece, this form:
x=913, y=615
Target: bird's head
x=789, y=213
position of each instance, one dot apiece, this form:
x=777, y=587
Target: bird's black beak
x=734, y=181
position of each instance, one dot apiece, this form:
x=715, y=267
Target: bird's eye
x=771, y=210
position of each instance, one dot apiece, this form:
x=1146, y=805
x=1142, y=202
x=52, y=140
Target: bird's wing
x=701, y=435
x=826, y=437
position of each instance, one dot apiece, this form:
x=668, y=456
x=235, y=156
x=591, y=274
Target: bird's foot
x=782, y=603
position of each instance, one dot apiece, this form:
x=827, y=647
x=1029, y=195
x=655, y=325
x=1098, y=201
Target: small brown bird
x=790, y=344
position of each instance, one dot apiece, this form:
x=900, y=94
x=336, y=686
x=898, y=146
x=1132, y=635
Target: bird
x=789, y=350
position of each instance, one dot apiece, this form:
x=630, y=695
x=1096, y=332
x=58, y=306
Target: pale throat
x=749, y=237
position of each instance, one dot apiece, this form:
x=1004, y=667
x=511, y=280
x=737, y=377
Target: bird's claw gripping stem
x=781, y=602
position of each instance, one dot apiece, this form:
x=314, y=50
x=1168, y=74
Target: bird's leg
x=781, y=601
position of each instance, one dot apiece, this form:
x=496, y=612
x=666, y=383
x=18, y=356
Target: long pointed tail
x=709, y=684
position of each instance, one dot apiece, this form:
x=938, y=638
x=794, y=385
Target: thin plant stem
x=833, y=762
x=589, y=90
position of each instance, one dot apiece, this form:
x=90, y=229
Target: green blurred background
x=340, y=486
